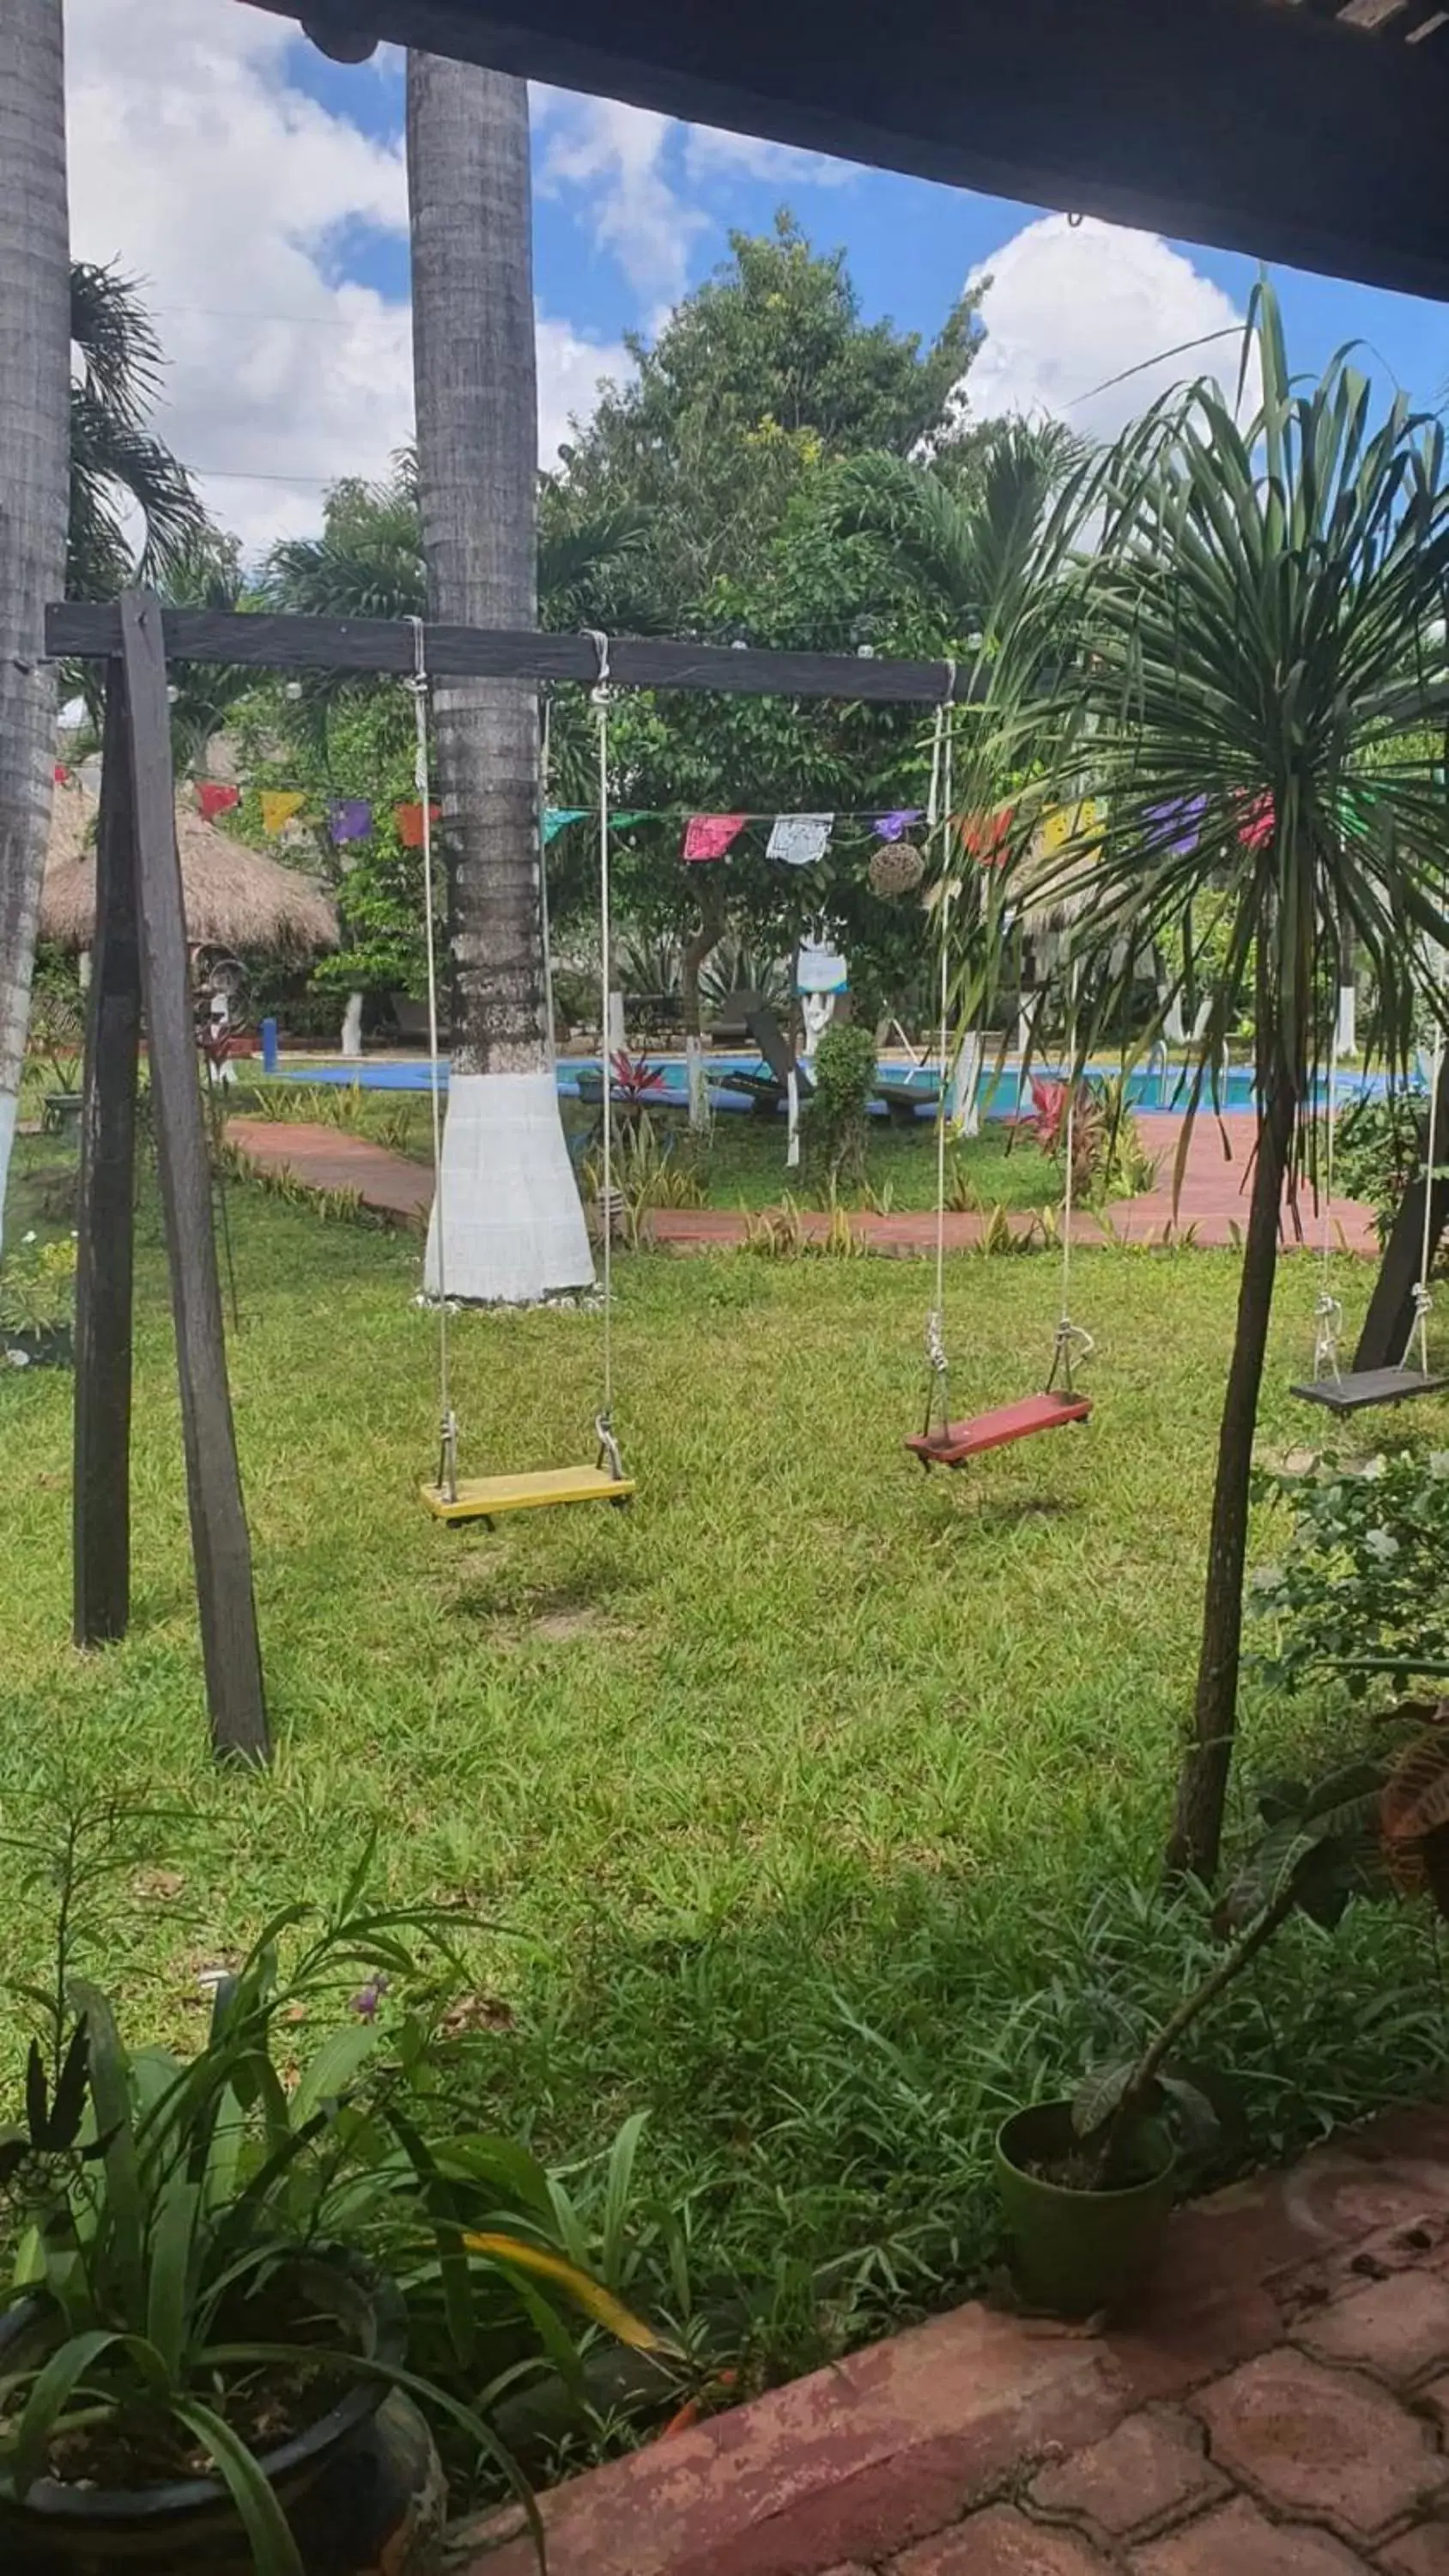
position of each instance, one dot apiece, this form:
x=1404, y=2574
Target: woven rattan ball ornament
x=896, y=868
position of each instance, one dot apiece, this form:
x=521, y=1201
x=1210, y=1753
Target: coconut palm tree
x=34, y=374
x=1267, y=685
x=973, y=534
x=118, y=469
x=514, y=1225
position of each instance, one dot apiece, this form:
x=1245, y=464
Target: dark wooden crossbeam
x=78, y=632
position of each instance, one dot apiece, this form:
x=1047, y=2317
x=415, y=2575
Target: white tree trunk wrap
x=352, y=1027
x=515, y=1230
x=962, y=1109
x=35, y=449
x=1345, y=1035
x=9, y=1112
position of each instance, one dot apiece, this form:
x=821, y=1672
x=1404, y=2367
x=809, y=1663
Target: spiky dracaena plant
x=1260, y=710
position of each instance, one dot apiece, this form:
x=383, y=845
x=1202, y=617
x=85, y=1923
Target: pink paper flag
x=708, y=836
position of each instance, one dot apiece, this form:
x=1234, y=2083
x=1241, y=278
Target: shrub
x=1364, y=1584
x=1378, y=1152
x=836, y=1119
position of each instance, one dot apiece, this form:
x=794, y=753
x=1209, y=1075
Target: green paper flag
x=555, y=817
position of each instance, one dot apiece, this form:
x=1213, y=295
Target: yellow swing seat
x=480, y=1498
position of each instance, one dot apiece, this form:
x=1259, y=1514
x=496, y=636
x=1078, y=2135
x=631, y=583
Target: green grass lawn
x=815, y=1802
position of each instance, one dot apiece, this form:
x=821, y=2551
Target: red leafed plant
x=635, y=1078
x=1046, y=1124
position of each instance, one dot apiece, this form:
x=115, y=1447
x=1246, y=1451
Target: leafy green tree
x=1267, y=681
x=763, y=375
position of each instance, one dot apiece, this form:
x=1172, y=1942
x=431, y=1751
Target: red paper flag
x=708, y=836
x=409, y=821
x=987, y=837
x=215, y=799
x=1256, y=825
x=62, y=774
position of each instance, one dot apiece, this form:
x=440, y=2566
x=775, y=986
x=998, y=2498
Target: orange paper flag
x=409, y=821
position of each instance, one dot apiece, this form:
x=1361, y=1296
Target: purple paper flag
x=1177, y=827
x=350, y=819
x=895, y=825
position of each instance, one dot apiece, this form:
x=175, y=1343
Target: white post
x=83, y=969
x=1345, y=1035
x=352, y=1027
x=616, y=1024
x=698, y=1087
x=792, y=1120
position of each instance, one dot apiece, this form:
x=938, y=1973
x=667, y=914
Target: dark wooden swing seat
x=997, y=1429
x=1359, y=1388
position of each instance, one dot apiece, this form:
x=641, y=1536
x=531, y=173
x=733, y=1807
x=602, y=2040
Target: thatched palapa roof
x=236, y=898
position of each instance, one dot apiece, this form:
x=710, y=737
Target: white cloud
x=1081, y=320
x=198, y=165
x=616, y=156
x=712, y=151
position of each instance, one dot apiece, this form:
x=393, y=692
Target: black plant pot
x=38, y=1346
x=361, y=2488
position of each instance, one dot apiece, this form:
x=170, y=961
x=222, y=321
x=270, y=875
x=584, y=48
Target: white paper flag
x=798, y=840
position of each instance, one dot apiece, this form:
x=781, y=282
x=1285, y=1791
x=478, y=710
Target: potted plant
x=203, y=2359
x=1087, y=2183
x=56, y=1037
x=37, y=1303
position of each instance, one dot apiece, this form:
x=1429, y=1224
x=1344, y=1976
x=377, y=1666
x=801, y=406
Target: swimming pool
x=998, y=1091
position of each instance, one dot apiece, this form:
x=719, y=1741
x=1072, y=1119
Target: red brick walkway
x=1280, y=2409
x=329, y=1158
x=1211, y=1208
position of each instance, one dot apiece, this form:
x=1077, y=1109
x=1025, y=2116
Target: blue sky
x=909, y=243
x=259, y=191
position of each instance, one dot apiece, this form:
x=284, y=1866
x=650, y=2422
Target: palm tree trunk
x=514, y=1229
x=1203, y=1780
x=34, y=453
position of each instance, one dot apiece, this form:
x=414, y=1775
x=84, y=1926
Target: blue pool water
x=998, y=1092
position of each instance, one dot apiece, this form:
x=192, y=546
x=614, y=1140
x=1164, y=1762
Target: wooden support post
x=102, y=1507
x=1390, y=1318
x=220, y=1542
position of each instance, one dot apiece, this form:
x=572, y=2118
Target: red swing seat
x=997, y=1429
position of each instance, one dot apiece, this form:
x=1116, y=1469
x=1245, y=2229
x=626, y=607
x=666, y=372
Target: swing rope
x=1423, y=1294
x=604, y=1420
x=1071, y=1340
x=938, y=817
x=1328, y=1309
x=448, y=1420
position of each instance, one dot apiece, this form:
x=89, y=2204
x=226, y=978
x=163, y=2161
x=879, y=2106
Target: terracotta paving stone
x=1322, y=2442
x=1240, y=2541
x=1001, y=2542
x=1211, y=1202
x=1153, y=2466
x=1424, y=2552
x=1399, y=2327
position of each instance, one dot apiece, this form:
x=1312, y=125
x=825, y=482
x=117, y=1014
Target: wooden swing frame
x=140, y=967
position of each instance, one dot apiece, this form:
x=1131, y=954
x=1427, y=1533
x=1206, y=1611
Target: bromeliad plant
x=178, y=2220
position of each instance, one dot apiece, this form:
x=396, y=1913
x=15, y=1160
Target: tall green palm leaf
x=1262, y=710
x=119, y=470
x=976, y=542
